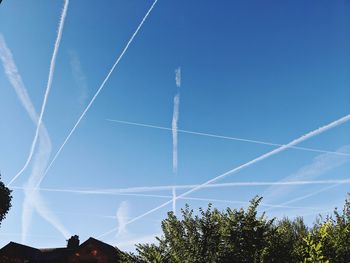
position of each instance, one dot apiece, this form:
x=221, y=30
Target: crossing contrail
x=321, y=164
x=48, y=88
x=32, y=198
x=224, y=137
x=252, y=162
x=146, y=189
x=100, y=88
x=174, y=131
x=326, y=188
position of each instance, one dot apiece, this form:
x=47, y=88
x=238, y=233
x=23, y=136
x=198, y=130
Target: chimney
x=73, y=242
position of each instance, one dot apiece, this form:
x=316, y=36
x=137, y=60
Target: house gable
x=14, y=252
x=93, y=250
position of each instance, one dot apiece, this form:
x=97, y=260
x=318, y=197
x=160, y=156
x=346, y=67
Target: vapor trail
x=100, y=88
x=315, y=192
x=250, y=163
x=48, y=88
x=32, y=197
x=321, y=164
x=15, y=79
x=145, y=189
x=224, y=137
x=174, y=131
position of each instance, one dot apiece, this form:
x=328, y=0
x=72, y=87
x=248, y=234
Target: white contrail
x=48, y=88
x=168, y=196
x=178, y=77
x=254, y=161
x=100, y=88
x=315, y=192
x=32, y=198
x=146, y=189
x=15, y=79
x=321, y=164
x=224, y=137
x=174, y=131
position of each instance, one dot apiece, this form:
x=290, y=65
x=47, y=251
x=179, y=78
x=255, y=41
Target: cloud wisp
x=48, y=88
x=101, y=87
x=319, y=166
x=122, y=216
x=32, y=197
x=79, y=77
x=208, y=200
x=129, y=244
x=328, y=165
x=174, y=125
x=224, y=137
x=252, y=162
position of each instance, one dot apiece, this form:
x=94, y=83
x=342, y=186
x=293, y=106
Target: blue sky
x=269, y=71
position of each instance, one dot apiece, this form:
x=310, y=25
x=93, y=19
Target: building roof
x=19, y=251
x=92, y=240
x=15, y=249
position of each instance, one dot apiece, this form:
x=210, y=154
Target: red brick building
x=91, y=251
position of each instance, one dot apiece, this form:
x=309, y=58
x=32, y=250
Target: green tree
x=329, y=239
x=244, y=236
x=5, y=201
x=286, y=243
x=211, y=236
x=340, y=235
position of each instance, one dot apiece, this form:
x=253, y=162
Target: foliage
x=5, y=201
x=329, y=240
x=211, y=236
x=244, y=236
x=286, y=243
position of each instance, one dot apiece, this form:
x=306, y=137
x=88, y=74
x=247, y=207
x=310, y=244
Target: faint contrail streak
x=100, y=88
x=184, y=198
x=146, y=189
x=32, y=198
x=225, y=137
x=15, y=79
x=321, y=164
x=48, y=88
x=315, y=192
x=174, y=131
x=247, y=164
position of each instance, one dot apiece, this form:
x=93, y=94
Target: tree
x=239, y=235
x=286, y=242
x=211, y=236
x=5, y=200
x=329, y=239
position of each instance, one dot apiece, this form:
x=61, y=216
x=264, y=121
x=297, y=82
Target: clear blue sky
x=260, y=70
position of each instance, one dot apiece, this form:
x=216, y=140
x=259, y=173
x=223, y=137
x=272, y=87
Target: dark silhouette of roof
x=92, y=249
x=92, y=240
x=15, y=249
